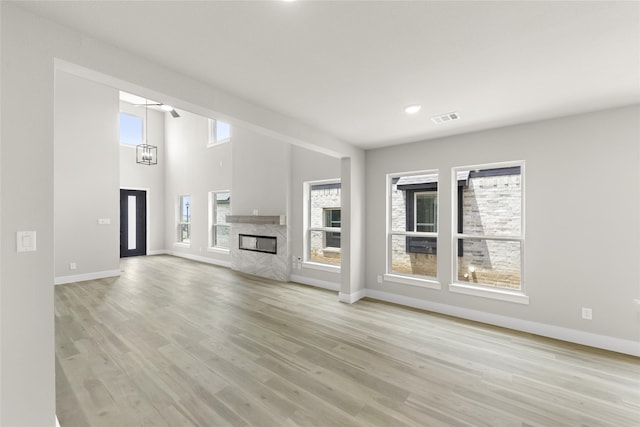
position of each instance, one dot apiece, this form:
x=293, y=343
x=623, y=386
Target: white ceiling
x=349, y=68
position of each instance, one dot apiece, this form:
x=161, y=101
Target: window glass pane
x=218, y=132
x=414, y=201
x=184, y=230
x=131, y=129
x=185, y=205
x=492, y=202
x=426, y=212
x=221, y=237
x=332, y=218
x=223, y=131
x=131, y=222
x=406, y=259
x=322, y=199
x=490, y=262
x=223, y=207
x=320, y=251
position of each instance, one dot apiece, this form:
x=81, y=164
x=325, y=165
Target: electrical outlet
x=72, y=266
x=379, y=279
x=587, y=313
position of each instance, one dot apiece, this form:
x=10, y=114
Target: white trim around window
x=394, y=231
x=492, y=291
x=310, y=229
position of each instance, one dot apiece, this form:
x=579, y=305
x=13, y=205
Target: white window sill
x=218, y=250
x=217, y=143
x=488, y=292
x=321, y=267
x=182, y=245
x=413, y=281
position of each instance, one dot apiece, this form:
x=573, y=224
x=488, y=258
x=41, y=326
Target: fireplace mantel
x=257, y=219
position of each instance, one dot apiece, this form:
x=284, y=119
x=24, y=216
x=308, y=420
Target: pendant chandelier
x=146, y=154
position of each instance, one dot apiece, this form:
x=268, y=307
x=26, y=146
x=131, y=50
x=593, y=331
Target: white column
x=352, y=287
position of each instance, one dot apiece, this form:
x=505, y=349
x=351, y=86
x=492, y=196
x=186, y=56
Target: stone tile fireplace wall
x=267, y=265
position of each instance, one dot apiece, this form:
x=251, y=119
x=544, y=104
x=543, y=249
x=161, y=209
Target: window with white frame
x=219, y=132
x=412, y=229
x=131, y=128
x=489, y=236
x=219, y=229
x=184, y=219
x=323, y=222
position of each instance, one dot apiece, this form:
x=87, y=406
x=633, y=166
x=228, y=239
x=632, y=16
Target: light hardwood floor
x=173, y=342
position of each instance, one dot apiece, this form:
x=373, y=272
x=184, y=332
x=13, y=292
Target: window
x=322, y=222
x=490, y=230
x=131, y=129
x=184, y=219
x=219, y=229
x=219, y=132
x=412, y=230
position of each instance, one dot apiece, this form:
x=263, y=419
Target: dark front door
x=133, y=223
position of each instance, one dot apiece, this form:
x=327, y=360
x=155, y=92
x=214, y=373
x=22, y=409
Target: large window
x=131, y=129
x=184, y=219
x=219, y=132
x=412, y=231
x=490, y=230
x=322, y=222
x=219, y=229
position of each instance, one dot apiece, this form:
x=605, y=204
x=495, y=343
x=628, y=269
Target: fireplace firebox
x=266, y=244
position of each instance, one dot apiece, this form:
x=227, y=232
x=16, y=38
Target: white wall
x=150, y=178
x=26, y=177
x=194, y=169
x=85, y=177
x=582, y=195
x=308, y=165
x=260, y=173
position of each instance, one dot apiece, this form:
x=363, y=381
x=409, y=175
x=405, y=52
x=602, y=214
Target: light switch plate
x=25, y=241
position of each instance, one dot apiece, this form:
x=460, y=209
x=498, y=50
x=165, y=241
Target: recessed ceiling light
x=412, y=109
x=445, y=118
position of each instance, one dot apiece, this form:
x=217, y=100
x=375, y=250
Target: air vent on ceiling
x=445, y=118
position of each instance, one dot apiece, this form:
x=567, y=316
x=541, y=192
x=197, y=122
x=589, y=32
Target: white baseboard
x=332, y=286
x=61, y=280
x=156, y=252
x=220, y=262
x=550, y=331
x=352, y=297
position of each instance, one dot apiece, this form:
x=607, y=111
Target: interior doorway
x=133, y=223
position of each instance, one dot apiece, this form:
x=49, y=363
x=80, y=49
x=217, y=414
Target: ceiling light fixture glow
x=166, y=107
x=412, y=109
